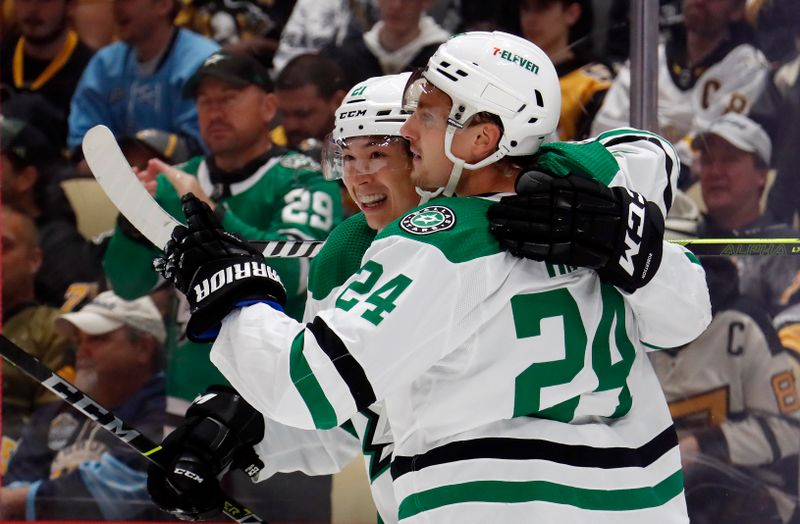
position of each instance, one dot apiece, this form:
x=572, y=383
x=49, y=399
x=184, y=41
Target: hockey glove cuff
x=219, y=433
x=216, y=270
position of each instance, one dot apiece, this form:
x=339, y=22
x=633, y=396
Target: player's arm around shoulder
x=674, y=308
x=401, y=312
x=649, y=165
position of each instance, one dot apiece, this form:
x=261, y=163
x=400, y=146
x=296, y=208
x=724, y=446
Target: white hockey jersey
x=518, y=389
x=729, y=85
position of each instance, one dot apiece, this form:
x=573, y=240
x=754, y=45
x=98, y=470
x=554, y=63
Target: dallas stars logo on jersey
x=427, y=220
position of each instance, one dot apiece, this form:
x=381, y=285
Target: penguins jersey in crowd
x=583, y=87
x=734, y=389
x=513, y=387
x=690, y=98
x=115, y=90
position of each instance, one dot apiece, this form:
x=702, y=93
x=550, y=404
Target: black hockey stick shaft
x=94, y=411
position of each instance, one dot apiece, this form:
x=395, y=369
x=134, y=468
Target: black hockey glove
x=218, y=435
x=215, y=269
x=577, y=221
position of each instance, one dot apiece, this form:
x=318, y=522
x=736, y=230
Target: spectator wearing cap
x=734, y=155
x=27, y=323
x=732, y=391
x=136, y=83
x=259, y=190
x=32, y=170
x=67, y=466
x=44, y=63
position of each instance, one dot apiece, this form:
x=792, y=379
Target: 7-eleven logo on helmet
x=517, y=59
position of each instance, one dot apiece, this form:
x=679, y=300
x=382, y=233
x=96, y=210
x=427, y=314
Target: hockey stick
x=740, y=246
x=94, y=411
x=115, y=176
x=123, y=188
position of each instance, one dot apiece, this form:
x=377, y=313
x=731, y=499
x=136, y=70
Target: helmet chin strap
x=455, y=177
x=459, y=164
x=427, y=195
x=455, y=173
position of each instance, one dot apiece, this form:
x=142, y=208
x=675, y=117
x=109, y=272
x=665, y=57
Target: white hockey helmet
x=371, y=108
x=496, y=73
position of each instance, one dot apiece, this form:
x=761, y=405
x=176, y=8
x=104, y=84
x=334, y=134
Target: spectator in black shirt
x=47, y=59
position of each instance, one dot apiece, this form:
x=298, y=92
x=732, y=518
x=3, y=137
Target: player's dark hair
x=312, y=69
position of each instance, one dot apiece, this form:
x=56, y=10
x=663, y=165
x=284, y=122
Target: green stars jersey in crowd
x=284, y=198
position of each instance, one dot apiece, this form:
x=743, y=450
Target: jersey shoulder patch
x=428, y=219
x=458, y=227
x=293, y=160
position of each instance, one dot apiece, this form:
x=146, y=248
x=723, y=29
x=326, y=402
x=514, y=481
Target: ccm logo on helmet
x=232, y=274
x=353, y=113
x=516, y=59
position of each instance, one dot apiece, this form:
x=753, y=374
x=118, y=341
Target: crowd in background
x=241, y=95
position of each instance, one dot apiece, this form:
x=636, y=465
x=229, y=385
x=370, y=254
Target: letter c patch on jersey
x=427, y=220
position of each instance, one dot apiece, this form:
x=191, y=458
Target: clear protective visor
x=416, y=86
x=364, y=155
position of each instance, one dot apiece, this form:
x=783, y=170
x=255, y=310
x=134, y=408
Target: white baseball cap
x=741, y=132
x=108, y=312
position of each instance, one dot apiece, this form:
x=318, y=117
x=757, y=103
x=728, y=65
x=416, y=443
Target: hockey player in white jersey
x=368, y=154
x=499, y=404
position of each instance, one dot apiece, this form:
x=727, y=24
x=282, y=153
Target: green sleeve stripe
x=652, y=346
x=691, y=256
x=321, y=410
x=589, y=159
x=517, y=492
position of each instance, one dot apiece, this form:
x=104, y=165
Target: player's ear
x=487, y=136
